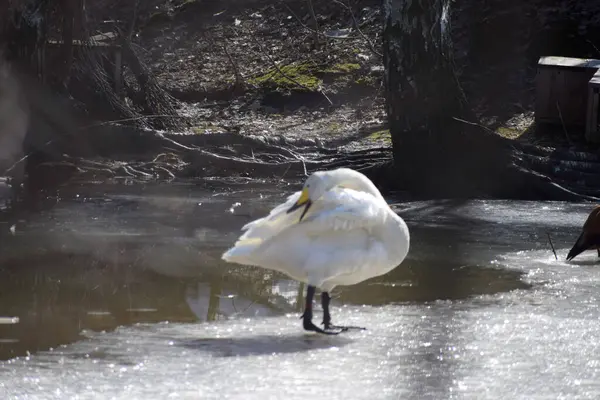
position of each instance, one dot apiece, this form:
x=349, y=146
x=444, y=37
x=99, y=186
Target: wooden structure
x=567, y=93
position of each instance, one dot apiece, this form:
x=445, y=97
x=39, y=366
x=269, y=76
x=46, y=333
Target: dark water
x=105, y=259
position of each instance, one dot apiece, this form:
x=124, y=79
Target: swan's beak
x=304, y=200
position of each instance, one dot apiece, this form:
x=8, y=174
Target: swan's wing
x=344, y=209
x=278, y=219
x=336, y=209
x=248, y=249
x=334, y=238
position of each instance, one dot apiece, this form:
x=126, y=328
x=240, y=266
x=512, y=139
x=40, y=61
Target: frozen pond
x=120, y=293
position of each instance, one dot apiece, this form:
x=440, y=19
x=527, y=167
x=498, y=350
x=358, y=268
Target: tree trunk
x=4, y=20
x=438, y=149
x=422, y=90
x=68, y=14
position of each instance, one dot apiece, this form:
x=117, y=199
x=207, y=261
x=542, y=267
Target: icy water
x=118, y=292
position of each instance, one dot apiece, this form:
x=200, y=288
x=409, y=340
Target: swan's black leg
x=308, y=314
x=325, y=299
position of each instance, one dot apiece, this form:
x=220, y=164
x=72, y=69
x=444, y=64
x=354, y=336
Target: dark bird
x=589, y=239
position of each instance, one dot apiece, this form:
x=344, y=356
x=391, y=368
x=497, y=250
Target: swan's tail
x=248, y=249
x=243, y=252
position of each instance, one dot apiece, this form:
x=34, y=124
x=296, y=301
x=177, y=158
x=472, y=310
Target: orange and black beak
x=303, y=200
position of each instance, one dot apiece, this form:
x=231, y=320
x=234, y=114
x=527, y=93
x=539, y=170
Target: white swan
x=345, y=234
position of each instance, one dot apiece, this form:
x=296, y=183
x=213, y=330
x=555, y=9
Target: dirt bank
x=279, y=84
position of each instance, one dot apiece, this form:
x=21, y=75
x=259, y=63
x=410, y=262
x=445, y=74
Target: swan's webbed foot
x=325, y=300
x=344, y=328
x=310, y=326
x=308, y=315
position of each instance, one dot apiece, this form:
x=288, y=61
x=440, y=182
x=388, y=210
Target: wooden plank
x=543, y=83
x=589, y=117
x=568, y=62
x=591, y=131
x=573, y=99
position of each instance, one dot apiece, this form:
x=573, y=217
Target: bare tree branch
x=347, y=7
x=314, y=17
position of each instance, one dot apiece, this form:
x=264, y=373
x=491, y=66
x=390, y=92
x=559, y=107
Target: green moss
x=509, y=133
x=366, y=80
x=334, y=127
x=306, y=74
x=207, y=128
x=342, y=68
x=302, y=73
x=383, y=134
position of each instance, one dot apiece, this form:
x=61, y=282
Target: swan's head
x=322, y=181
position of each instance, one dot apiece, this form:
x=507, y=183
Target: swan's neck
x=363, y=185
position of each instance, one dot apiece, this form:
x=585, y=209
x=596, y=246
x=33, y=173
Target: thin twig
x=25, y=157
x=314, y=17
x=239, y=80
x=552, y=245
x=371, y=47
x=324, y=95
x=563, y=123
x=474, y=124
x=297, y=18
x=132, y=119
x=164, y=155
x=171, y=175
x=131, y=29
x=238, y=77
x=286, y=171
x=593, y=45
